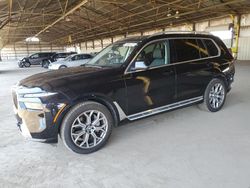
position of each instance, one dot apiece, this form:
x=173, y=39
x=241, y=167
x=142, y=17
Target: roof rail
x=181, y=32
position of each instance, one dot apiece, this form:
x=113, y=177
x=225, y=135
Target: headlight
x=37, y=95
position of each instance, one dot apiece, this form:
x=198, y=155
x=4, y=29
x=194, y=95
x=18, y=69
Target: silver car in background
x=71, y=61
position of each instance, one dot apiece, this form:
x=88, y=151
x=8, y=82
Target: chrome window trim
x=176, y=63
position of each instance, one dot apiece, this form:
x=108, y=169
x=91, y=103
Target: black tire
x=62, y=67
x=207, y=104
x=27, y=64
x=72, y=116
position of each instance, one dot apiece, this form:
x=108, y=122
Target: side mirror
x=140, y=65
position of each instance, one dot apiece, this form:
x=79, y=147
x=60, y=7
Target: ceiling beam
x=166, y=18
x=62, y=17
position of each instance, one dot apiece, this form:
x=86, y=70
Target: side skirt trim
x=164, y=108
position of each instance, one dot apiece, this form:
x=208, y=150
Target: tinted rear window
x=211, y=47
x=185, y=49
x=203, y=49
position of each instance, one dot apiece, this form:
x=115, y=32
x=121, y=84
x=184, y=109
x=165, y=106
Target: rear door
x=193, y=68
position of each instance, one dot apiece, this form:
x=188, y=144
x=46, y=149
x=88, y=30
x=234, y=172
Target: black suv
x=40, y=58
x=130, y=79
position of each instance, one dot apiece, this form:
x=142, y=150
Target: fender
x=100, y=98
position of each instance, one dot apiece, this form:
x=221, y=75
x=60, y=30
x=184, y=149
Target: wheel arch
x=108, y=103
x=223, y=78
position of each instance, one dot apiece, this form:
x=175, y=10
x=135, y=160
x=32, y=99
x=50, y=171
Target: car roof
x=166, y=34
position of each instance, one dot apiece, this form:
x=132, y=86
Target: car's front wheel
x=62, y=67
x=27, y=64
x=214, y=96
x=87, y=127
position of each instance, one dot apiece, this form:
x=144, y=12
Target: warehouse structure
x=175, y=147
x=89, y=26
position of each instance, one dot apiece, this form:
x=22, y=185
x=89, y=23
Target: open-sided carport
x=184, y=148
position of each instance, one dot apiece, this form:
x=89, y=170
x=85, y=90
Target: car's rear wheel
x=87, y=127
x=214, y=96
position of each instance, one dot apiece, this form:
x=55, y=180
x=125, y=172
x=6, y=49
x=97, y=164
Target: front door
x=34, y=59
x=150, y=79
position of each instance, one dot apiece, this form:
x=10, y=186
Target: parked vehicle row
x=131, y=79
x=49, y=58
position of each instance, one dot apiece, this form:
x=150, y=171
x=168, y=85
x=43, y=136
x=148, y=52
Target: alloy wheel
x=89, y=129
x=216, y=95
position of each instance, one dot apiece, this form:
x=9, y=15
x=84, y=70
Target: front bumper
x=36, y=124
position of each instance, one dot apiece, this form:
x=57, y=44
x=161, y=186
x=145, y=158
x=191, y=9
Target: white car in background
x=71, y=61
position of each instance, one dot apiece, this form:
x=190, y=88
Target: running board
x=164, y=108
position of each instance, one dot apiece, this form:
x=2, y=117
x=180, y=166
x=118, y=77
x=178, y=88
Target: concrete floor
x=186, y=148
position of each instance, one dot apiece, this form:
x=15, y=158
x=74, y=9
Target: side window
x=153, y=55
x=74, y=58
x=79, y=57
x=87, y=56
x=185, y=50
x=42, y=55
x=211, y=47
x=34, y=56
x=202, y=48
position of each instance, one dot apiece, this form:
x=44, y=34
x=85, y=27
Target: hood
x=51, y=79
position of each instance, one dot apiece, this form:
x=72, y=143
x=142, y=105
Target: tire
x=27, y=64
x=81, y=136
x=214, y=96
x=62, y=67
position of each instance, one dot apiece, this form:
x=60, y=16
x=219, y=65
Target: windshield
x=112, y=56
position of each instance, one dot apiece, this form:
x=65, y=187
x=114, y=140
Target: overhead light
x=177, y=14
x=32, y=39
x=47, y=31
x=169, y=14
